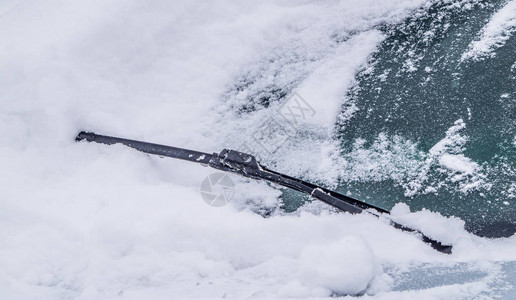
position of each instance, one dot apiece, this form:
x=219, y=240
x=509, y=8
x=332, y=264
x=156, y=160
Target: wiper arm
x=247, y=166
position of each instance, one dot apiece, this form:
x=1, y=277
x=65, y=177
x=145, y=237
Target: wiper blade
x=246, y=165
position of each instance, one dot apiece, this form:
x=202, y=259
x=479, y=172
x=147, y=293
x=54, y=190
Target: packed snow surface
x=88, y=221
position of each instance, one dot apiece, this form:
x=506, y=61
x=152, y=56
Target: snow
x=494, y=34
x=458, y=163
x=393, y=157
x=323, y=87
x=345, y=266
x=90, y=221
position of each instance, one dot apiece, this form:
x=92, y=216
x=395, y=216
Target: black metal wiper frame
x=246, y=165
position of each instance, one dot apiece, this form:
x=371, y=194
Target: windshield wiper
x=247, y=166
